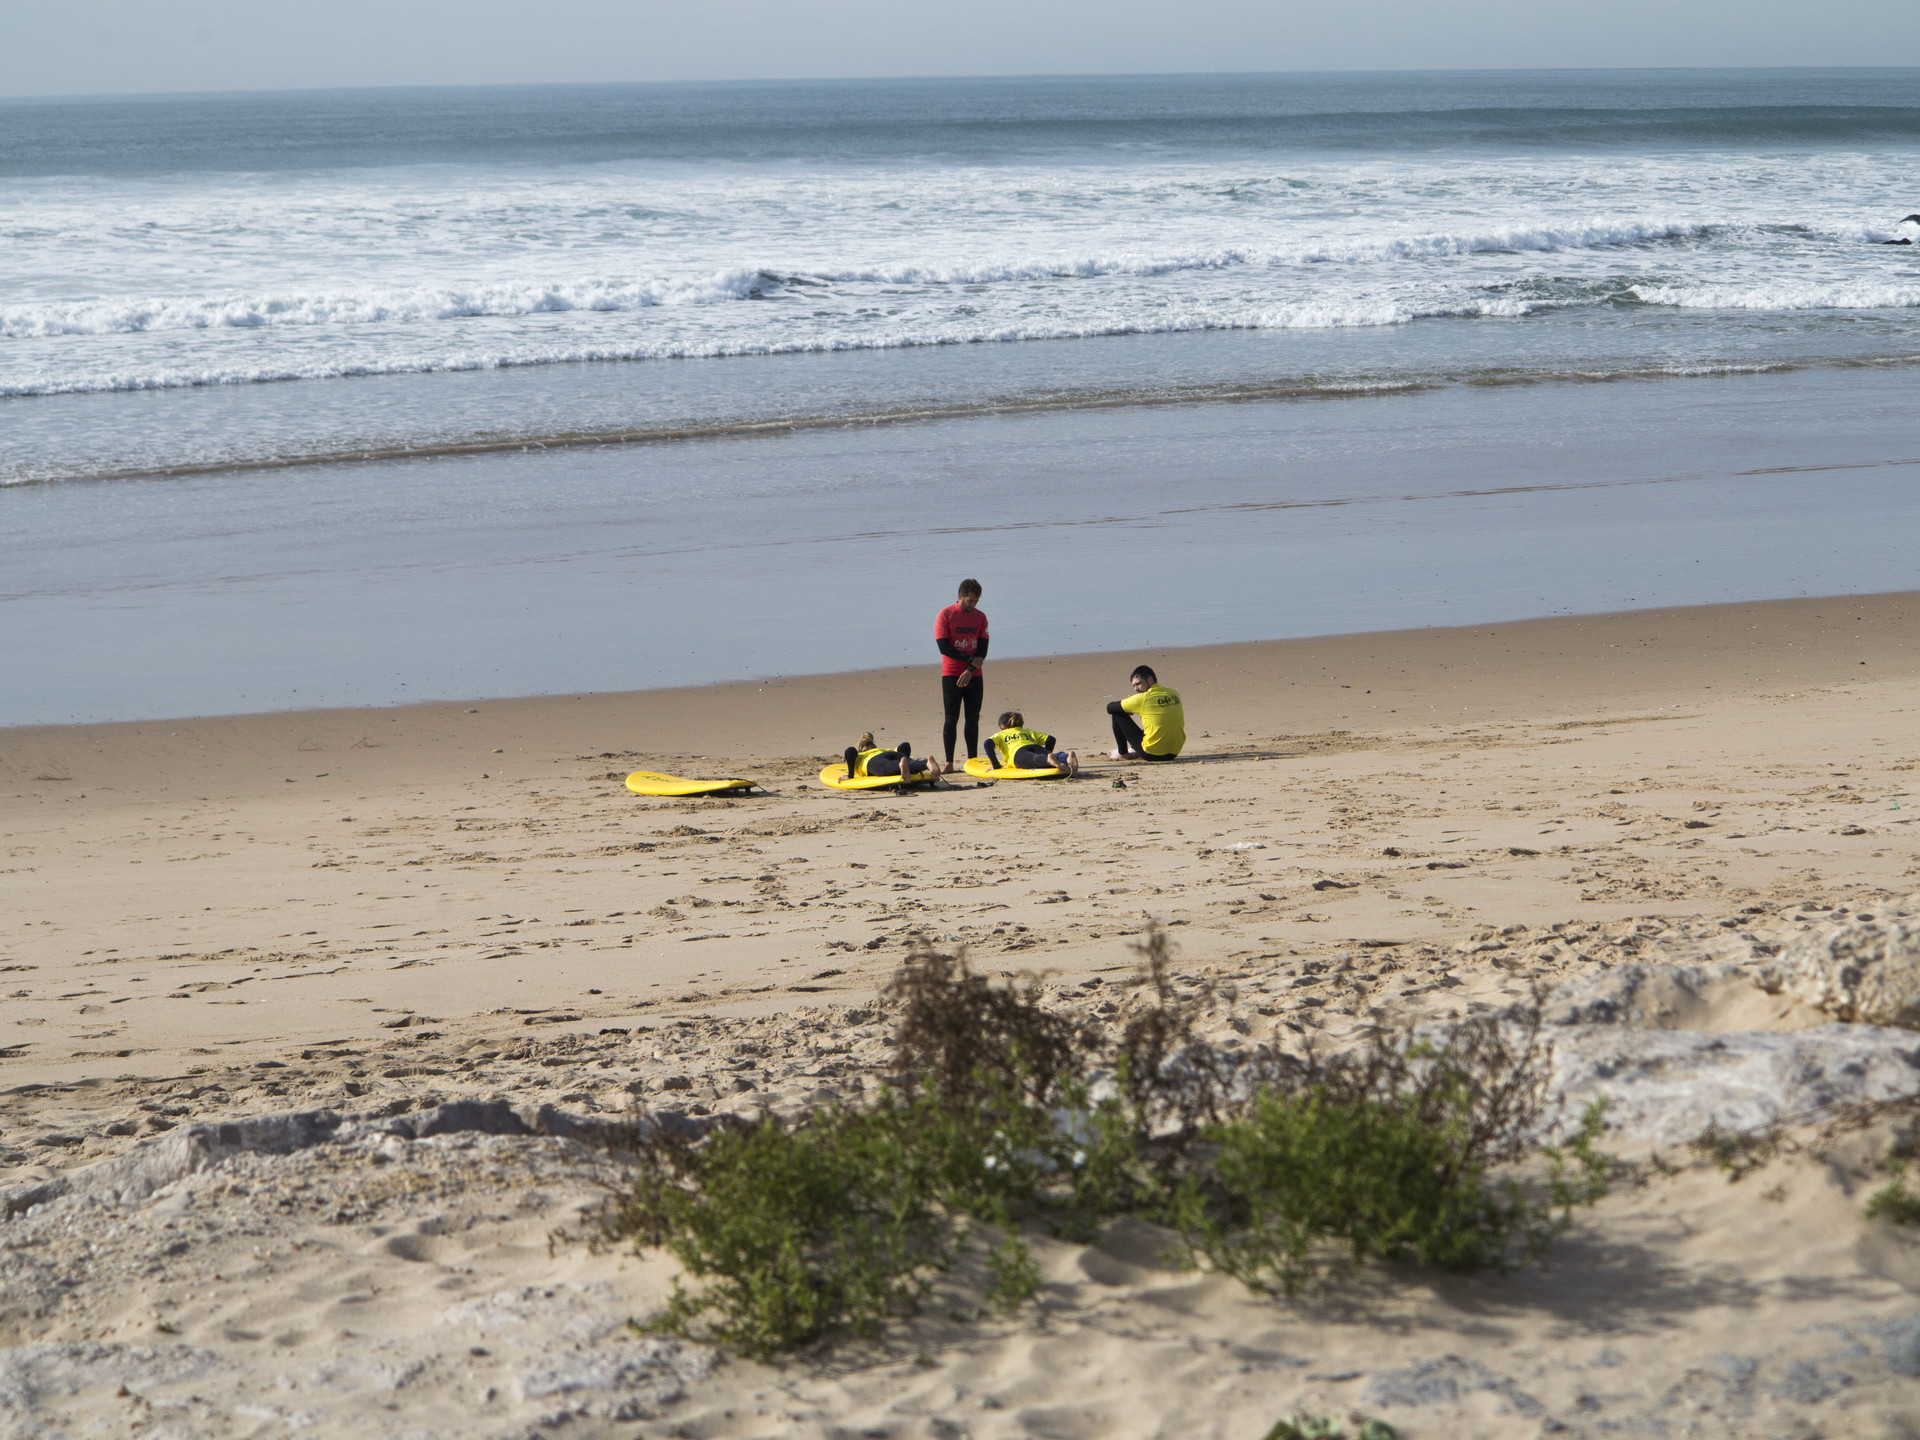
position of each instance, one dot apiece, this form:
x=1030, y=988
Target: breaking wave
x=123, y=316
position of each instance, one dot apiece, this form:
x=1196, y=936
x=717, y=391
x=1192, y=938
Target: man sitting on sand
x=1014, y=747
x=1162, y=727
x=866, y=758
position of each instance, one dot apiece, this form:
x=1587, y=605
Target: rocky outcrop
x=158, y=1163
x=1670, y=1087
x=1665, y=997
x=1676, y=1052
x=1864, y=969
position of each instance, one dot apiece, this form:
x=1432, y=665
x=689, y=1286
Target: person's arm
x=1132, y=705
x=971, y=661
x=1116, y=707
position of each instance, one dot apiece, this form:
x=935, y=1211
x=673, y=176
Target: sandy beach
x=377, y=914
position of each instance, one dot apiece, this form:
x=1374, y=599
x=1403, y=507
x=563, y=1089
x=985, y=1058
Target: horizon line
x=1011, y=76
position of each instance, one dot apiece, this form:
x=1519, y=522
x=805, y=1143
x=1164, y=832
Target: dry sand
x=379, y=912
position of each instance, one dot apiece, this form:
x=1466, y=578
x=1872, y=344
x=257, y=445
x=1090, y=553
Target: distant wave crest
x=122, y=316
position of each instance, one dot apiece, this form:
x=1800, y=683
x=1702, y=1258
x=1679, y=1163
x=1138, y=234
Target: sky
x=100, y=47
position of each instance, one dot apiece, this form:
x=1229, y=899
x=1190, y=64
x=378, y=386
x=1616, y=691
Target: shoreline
x=1382, y=386
x=1553, y=653
x=616, y=568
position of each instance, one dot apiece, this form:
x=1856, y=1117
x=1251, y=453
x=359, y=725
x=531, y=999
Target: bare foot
x=1115, y=755
x=935, y=769
x=1073, y=763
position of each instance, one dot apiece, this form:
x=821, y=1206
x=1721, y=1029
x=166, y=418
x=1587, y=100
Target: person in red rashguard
x=960, y=631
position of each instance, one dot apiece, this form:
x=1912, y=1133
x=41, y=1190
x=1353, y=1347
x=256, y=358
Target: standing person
x=1162, y=727
x=960, y=631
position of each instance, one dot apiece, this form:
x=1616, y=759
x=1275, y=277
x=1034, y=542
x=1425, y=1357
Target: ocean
x=360, y=396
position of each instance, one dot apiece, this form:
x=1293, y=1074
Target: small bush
x=969, y=1039
x=1172, y=1080
x=1325, y=1427
x=1388, y=1151
x=797, y=1231
x=1740, y=1153
x=841, y=1222
x=1892, y=1200
x=1002, y=1115
x=1377, y=1176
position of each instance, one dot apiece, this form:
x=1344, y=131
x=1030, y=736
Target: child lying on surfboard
x=866, y=758
x=1015, y=747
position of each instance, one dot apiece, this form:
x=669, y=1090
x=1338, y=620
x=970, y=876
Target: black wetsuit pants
x=954, y=695
x=889, y=764
x=1128, y=737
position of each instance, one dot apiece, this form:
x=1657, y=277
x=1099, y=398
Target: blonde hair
x=1012, y=720
x=866, y=741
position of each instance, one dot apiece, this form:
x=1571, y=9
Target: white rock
x=1669, y=1087
x=1865, y=969
x=646, y=1373
x=1635, y=994
x=155, y=1164
x=31, y=1374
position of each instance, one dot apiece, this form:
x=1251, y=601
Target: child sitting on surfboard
x=1015, y=747
x=866, y=758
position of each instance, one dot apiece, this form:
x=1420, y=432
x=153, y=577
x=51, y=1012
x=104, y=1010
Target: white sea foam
x=172, y=281
x=117, y=316
x=1854, y=295
x=110, y=315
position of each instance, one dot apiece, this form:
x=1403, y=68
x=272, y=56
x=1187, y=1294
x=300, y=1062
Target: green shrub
x=1892, y=1202
x=1379, y=1177
x=1740, y=1153
x=796, y=1231
x=840, y=1222
x=1325, y=1427
x=969, y=1039
x=1390, y=1151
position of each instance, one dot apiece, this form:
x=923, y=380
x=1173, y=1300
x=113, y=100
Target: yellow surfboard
x=979, y=766
x=835, y=776
x=649, y=782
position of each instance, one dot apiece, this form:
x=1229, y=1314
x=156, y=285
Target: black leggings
x=1128, y=737
x=889, y=764
x=953, y=695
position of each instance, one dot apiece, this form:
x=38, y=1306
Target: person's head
x=866, y=740
x=1012, y=720
x=1144, y=678
x=969, y=594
